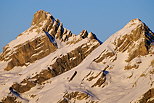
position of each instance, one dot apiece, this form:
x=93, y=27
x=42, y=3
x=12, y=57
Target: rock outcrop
x=137, y=42
x=75, y=96
x=147, y=97
x=28, y=52
x=75, y=57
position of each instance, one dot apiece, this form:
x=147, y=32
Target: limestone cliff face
x=74, y=58
x=147, y=97
x=29, y=52
x=45, y=21
x=137, y=42
x=37, y=46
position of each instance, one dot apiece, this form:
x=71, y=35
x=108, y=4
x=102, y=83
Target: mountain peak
x=135, y=38
x=134, y=23
x=137, y=20
x=41, y=16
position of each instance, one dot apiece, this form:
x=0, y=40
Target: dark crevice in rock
x=10, y=99
x=147, y=96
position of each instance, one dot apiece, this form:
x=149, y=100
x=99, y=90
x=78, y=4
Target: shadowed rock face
x=73, y=96
x=147, y=97
x=33, y=81
x=10, y=99
x=152, y=63
x=76, y=96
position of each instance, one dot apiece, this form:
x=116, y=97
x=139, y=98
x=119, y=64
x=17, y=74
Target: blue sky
x=102, y=17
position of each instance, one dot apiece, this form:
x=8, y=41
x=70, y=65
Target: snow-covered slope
x=80, y=71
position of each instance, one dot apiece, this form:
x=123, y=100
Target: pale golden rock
x=30, y=52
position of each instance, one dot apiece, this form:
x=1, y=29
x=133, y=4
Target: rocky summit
x=48, y=63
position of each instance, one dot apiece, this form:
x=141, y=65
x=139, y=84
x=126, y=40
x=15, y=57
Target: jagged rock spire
x=83, y=34
x=40, y=16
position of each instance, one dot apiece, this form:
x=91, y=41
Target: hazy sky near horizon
x=102, y=17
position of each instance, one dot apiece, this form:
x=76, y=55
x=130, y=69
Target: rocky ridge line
x=43, y=35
